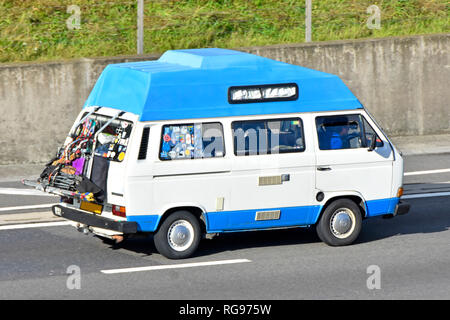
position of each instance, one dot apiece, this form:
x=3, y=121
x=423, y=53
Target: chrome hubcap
x=180, y=235
x=342, y=223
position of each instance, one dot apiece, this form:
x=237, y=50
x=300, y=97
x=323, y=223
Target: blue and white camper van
x=206, y=141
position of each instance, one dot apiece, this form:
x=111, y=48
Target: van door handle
x=323, y=168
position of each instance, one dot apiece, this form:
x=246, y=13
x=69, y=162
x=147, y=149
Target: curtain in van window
x=259, y=137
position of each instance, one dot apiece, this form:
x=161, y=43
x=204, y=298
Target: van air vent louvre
x=144, y=144
x=269, y=180
x=267, y=215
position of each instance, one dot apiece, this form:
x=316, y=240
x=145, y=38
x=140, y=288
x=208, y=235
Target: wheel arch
x=197, y=211
x=355, y=197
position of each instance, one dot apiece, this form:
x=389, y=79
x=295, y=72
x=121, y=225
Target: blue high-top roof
x=194, y=83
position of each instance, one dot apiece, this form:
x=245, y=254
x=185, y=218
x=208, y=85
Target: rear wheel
x=179, y=235
x=340, y=223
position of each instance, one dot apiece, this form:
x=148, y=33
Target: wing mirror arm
x=373, y=143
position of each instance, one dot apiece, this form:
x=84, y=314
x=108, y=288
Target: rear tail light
x=119, y=211
x=400, y=192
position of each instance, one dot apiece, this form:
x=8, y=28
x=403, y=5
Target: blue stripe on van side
x=146, y=223
x=241, y=219
x=380, y=207
x=245, y=219
x=223, y=221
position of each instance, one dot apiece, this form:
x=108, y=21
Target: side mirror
x=373, y=142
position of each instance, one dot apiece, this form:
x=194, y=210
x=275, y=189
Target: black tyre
x=340, y=223
x=178, y=236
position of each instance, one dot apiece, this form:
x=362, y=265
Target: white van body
x=231, y=192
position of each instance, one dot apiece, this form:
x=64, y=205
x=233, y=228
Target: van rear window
x=112, y=141
x=192, y=141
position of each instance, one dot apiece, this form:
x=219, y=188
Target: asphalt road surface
x=407, y=257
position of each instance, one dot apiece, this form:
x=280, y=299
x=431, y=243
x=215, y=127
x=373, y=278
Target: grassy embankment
x=37, y=30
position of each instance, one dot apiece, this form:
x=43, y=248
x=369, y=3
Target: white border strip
x=175, y=266
x=34, y=225
x=426, y=195
x=25, y=192
x=36, y=206
x=417, y=173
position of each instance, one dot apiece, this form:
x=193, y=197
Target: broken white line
x=37, y=206
x=426, y=195
x=34, y=225
x=175, y=266
x=417, y=173
x=25, y=192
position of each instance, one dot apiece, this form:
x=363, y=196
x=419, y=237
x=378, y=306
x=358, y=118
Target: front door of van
x=344, y=163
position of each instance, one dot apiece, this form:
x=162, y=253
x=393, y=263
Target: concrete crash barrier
x=402, y=81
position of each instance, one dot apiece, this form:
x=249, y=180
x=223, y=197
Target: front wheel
x=340, y=223
x=179, y=235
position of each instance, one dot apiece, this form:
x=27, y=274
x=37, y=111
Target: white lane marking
x=175, y=266
x=36, y=206
x=417, y=173
x=34, y=225
x=64, y=223
x=425, y=195
x=25, y=192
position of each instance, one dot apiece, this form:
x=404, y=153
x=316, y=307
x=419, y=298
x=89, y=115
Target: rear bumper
x=94, y=220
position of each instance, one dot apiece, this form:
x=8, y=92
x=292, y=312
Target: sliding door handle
x=323, y=168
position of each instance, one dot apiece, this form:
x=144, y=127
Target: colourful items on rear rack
x=70, y=162
x=89, y=196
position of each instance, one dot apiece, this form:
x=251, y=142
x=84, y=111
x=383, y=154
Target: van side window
x=192, y=141
x=258, y=137
x=340, y=132
x=345, y=132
